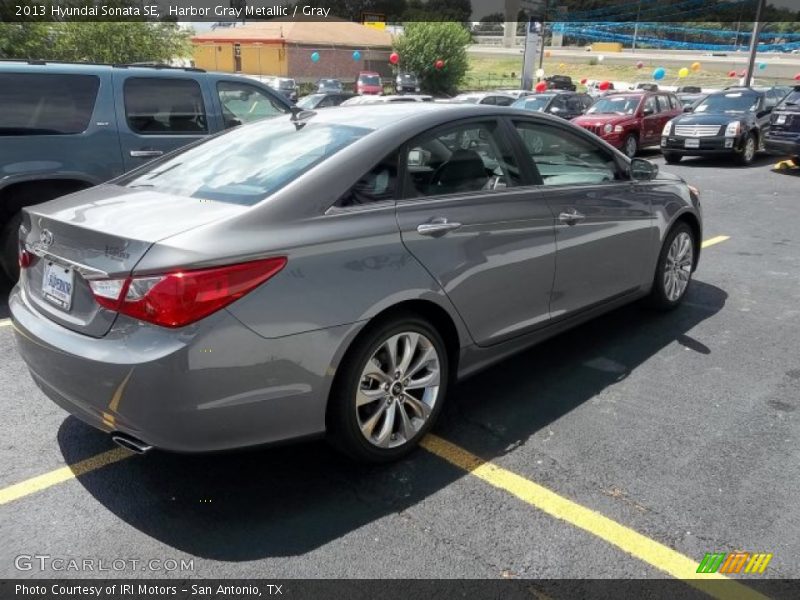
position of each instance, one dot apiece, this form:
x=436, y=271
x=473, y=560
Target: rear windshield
x=247, y=164
x=39, y=104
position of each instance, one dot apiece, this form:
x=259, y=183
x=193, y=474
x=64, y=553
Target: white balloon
x=540, y=72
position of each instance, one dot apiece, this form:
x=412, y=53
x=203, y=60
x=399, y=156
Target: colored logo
x=734, y=562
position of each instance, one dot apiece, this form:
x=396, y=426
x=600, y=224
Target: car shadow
x=727, y=162
x=5, y=290
x=289, y=500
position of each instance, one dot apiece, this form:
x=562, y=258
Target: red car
x=630, y=120
x=369, y=82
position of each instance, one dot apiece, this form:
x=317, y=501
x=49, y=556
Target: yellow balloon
x=561, y=65
x=695, y=66
x=683, y=72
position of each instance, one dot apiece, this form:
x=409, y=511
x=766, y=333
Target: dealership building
x=285, y=48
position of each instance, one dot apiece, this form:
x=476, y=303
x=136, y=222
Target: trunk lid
x=99, y=233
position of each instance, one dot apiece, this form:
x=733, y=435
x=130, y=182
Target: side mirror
x=643, y=170
x=646, y=112
x=687, y=108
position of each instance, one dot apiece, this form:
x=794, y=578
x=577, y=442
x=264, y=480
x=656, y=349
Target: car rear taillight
x=24, y=257
x=183, y=297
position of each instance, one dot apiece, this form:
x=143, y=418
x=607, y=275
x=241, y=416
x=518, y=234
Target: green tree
x=423, y=43
x=25, y=40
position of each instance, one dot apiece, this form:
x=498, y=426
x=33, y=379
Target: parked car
x=688, y=100
x=517, y=94
x=727, y=123
x=783, y=135
x=286, y=86
x=689, y=89
x=406, y=83
x=560, y=82
x=630, y=120
x=174, y=308
x=646, y=86
x=329, y=86
x=566, y=105
x=593, y=89
x=65, y=127
x=492, y=98
x=386, y=99
x=369, y=82
x=314, y=101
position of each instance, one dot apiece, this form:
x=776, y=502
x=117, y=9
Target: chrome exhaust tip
x=130, y=443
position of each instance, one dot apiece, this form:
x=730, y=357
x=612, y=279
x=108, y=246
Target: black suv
x=65, y=127
x=560, y=82
x=560, y=103
x=406, y=83
x=783, y=136
x=731, y=122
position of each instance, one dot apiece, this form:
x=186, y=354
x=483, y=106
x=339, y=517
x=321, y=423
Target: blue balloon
x=315, y=57
x=762, y=66
x=659, y=73
x=356, y=55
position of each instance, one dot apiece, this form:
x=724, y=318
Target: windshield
x=407, y=78
x=621, y=105
x=538, y=103
x=791, y=101
x=334, y=83
x=370, y=79
x=247, y=164
x=732, y=102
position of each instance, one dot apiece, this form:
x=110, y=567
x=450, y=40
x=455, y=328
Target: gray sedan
x=334, y=272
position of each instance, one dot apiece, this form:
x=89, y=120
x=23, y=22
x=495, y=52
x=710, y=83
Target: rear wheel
x=630, y=146
x=674, y=270
x=9, y=246
x=389, y=390
x=672, y=158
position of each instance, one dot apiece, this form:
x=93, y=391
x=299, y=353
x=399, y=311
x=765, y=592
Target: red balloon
x=439, y=64
x=603, y=85
x=732, y=74
x=639, y=65
x=394, y=58
x=583, y=81
x=797, y=77
x=541, y=86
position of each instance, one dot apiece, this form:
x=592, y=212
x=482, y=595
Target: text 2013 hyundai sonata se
x=336, y=272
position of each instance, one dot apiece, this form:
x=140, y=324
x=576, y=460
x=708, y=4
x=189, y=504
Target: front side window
x=650, y=106
x=379, y=184
x=162, y=106
x=242, y=103
x=45, y=104
x=247, y=164
x=564, y=158
x=467, y=158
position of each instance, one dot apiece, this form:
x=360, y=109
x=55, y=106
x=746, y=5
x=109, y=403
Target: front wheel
x=674, y=270
x=389, y=390
x=630, y=146
x=749, y=148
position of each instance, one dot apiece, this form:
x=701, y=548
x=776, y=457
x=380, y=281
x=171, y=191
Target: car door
x=768, y=102
x=158, y=114
x=604, y=229
x=485, y=239
x=651, y=132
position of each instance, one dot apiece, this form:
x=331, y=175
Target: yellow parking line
x=715, y=240
x=634, y=543
x=42, y=482
x=5, y=322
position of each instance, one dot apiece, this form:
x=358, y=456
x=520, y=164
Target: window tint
x=574, y=104
x=650, y=105
x=587, y=101
x=771, y=99
x=488, y=100
x=503, y=101
x=34, y=104
x=467, y=158
x=673, y=102
x=242, y=103
x=247, y=164
x=559, y=102
x=158, y=106
x=377, y=185
x=564, y=158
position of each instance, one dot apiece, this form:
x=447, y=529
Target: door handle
x=570, y=218
x=146, y=153
x=437, y=227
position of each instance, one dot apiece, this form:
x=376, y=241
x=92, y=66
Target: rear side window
x=792, y=100
x=162, y=106
x=39, y=104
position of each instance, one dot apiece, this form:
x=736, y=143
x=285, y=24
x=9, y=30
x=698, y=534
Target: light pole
x=748, y=80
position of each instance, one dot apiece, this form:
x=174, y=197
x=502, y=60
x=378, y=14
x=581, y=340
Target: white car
x=386, y=99
x=491, y=98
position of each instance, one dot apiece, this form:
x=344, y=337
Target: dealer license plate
x=57, y=285
x=691, y=143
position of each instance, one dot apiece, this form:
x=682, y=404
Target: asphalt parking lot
x=626, y=448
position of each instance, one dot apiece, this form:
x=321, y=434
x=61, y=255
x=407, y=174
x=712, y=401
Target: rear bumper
x=782, y=146
x=212, y=386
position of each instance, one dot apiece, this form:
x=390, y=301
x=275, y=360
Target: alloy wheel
x=398, y=389
x=749, y=149
x=678, y=267
x=631, y=147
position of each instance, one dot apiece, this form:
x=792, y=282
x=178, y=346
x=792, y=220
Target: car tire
x=9, y=247
x=372, y=416
x=674, y=268
x=631, y=145
x=749, y=149
x=672, y=158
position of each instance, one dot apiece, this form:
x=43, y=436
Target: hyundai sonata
x=334, y=272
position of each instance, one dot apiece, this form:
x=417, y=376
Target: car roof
x=61, y=67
